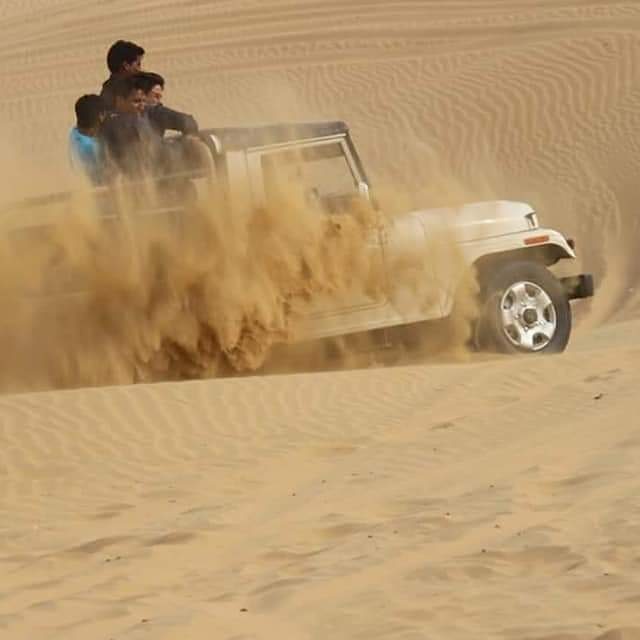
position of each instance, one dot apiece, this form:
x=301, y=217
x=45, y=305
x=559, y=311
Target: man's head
x=128, y=95
x=152, y=85
x=125, y=57
x=90, y=113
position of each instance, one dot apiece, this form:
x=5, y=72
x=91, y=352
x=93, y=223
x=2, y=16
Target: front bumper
x=578, y=287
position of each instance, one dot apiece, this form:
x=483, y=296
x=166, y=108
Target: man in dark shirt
x=156, y=93
x=160, y=117
x=123, y=59
x=131, y=143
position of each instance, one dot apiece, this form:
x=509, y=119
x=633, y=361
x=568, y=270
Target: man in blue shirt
x=85, y=147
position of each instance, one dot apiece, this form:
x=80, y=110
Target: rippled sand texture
x=492, y=499
x=413, y=503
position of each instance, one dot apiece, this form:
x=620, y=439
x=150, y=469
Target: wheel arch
x=547, y=255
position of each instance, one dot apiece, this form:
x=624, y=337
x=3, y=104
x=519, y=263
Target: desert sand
x=483, y=497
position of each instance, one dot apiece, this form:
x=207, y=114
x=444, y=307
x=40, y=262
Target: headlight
x=532, y=220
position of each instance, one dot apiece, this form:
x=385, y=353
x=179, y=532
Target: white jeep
x=524, y=307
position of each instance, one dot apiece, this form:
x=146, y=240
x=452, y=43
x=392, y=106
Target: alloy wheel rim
x=528, y=315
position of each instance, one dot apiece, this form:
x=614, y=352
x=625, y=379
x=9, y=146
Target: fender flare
x=547, y=245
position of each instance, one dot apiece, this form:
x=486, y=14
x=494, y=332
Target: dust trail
x=92, y=301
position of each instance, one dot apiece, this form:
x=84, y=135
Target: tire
x=524, y=309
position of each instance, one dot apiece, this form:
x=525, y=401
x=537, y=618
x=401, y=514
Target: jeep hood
x=479, y=219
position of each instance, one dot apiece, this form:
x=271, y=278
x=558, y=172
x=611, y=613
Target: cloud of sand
x=93, y=300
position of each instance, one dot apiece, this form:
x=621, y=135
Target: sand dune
x=376, y=503
x=494, y=498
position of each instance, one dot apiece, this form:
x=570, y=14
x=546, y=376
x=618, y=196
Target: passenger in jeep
x=156, y=93
x=160, y=117
x=85, y=146
x=132, y=145
x=124, y=58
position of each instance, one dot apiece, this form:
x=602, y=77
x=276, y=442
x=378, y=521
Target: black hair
x=120, y=52
x=147, y=80
x=88, y=109
x=123, y=87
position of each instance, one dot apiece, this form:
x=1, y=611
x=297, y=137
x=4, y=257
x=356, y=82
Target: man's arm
x=163, y=118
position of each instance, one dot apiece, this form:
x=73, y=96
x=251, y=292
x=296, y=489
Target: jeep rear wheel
x=524, y=309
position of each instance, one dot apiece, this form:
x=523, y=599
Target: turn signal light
x=536, y=240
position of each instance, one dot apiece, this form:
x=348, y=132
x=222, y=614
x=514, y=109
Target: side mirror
x=363, y=190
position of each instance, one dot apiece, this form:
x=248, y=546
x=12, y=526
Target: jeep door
x=330, y=181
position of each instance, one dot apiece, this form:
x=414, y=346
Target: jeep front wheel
x=524, y=309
